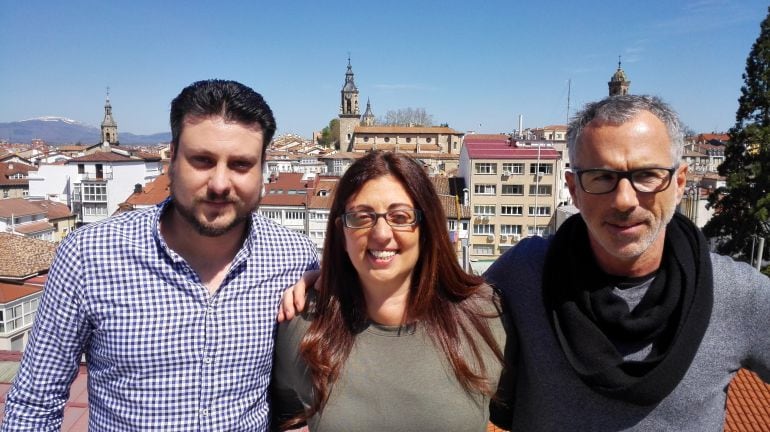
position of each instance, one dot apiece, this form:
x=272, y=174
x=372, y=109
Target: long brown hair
x=443, y=298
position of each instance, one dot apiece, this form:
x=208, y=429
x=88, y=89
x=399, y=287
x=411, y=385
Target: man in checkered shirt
x=173, y=306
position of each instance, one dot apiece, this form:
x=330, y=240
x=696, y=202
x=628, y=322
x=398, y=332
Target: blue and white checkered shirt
x=162, y=353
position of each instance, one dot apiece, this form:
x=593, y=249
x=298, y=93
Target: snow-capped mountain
x=60, y=130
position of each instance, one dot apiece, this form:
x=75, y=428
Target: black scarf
x=586, y=315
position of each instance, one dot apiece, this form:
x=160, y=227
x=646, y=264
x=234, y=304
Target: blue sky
x=474, y=66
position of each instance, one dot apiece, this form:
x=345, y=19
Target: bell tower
x=350, y=116
x=109, y=126
x=619, y=83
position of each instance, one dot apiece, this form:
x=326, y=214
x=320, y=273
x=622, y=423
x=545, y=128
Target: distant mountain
x=58, y=130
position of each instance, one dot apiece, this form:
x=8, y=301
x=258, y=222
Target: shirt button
x=210, y=310
x=207, y=360
x=204, y=412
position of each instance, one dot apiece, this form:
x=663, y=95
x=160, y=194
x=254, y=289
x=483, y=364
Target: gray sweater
x=549, y=396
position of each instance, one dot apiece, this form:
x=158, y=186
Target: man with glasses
x=625, y=320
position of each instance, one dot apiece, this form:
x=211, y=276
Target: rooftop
x=30, y=257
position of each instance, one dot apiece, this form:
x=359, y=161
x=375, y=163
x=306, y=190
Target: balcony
x=97, y=176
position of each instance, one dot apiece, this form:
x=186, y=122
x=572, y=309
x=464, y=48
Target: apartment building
x=512, y=191
x=285, y=200
x=94, y=185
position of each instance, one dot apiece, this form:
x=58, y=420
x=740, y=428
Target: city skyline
x=475, y=67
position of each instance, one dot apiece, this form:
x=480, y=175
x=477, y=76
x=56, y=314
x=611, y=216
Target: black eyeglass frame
x=376, y=216
x=628, y=175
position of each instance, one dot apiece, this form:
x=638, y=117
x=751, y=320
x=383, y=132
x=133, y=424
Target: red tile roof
x=277, y=192
x=101, y=156
x=748, y=404
x=153, y=193
x=34, y=227
x=25, y=207
x=487, y=147
x=18, y=207
x=11, y=292
x=405, y=130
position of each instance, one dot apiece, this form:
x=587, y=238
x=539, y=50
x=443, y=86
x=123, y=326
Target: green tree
x=329, y=133
x=742, y=207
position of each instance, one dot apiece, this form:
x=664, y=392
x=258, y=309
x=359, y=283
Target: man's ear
x=680, y=179
x=572, y=185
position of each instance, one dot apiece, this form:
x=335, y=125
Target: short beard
x=205, y=229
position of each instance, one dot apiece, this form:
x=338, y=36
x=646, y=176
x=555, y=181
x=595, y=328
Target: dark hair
x=447, y=301
x=620, y=109
x=230, y=100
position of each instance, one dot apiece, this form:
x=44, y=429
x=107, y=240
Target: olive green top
x=395, y=379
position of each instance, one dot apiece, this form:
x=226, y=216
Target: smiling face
x=384, y=257
x=216, y=175
x=627, y=228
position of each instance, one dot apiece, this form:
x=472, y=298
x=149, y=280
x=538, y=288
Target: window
x=540, y=190
x=387, y=139
x=81, y=169
x=481, y=229
x=484, y=210
x=479, y=249
x=539, y=211
x=486, y=168
x=510, y=229
x=94, y=192
x=95, y=209
x=295, y=215
x=366, y=139
x=408, y=139
x=484, y=189
x=514, y=189
x=546, y=169
x=513, y=168
x=427, y=140
x=511, y=210
x=539, y=230
x=271, y=214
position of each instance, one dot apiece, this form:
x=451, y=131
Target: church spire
x=368, y=118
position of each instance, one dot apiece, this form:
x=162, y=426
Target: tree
x=742, y=207
x=329, y=133
x=407, y=117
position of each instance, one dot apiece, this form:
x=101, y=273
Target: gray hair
x=620, y=109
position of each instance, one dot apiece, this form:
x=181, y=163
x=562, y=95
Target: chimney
x=521, y=125
x=137, y=188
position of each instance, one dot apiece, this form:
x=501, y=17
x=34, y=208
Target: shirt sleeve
x=52, y=357
x=759, y=349
x=501, y=405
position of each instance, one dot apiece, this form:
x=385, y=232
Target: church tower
x=349, y=114
x=619, y=83
x=368, y=118
x=109, y=127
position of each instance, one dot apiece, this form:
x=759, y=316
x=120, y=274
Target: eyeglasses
x=399, y=218
x=646, y=180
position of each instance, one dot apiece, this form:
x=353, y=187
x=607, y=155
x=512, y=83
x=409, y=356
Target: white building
x=95, y=184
